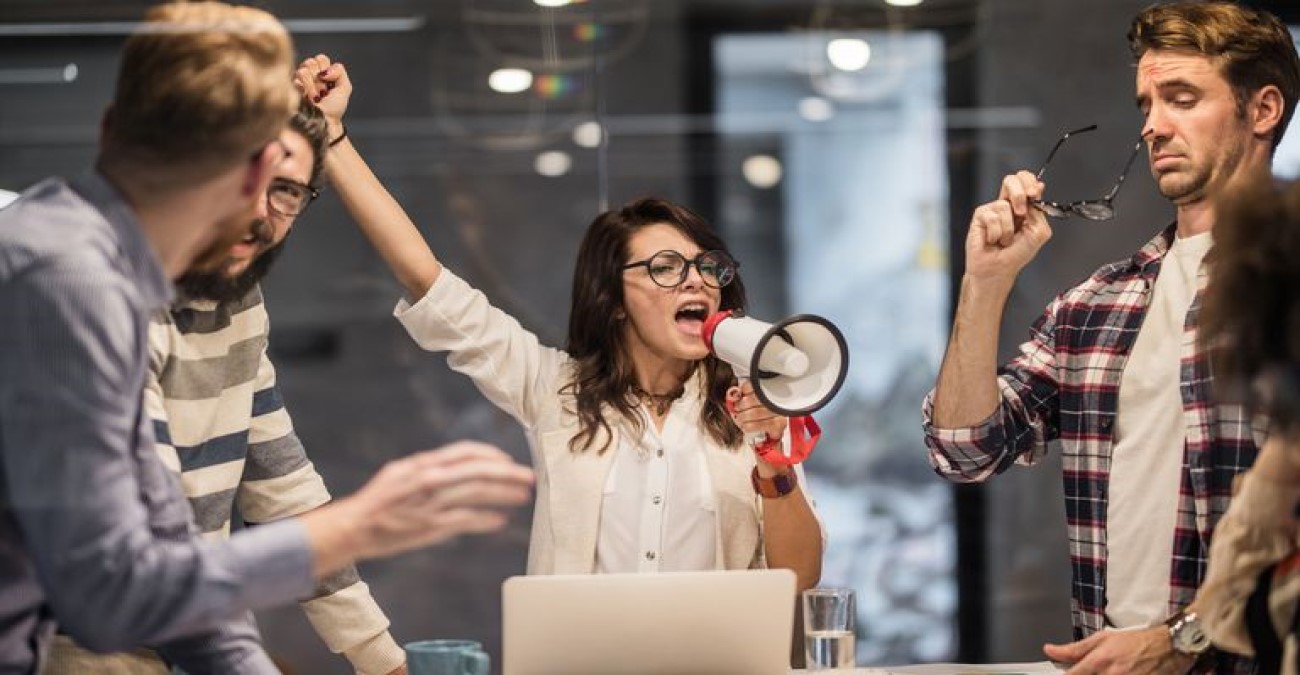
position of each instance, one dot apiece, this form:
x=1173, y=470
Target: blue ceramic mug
x=446, y=657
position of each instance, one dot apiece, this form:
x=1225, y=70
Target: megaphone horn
x=796, y=365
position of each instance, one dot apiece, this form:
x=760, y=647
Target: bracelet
x=775, y=487
x=343, y=135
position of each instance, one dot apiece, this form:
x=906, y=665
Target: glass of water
x=829, y=628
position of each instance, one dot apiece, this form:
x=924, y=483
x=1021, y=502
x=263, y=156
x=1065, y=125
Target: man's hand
x=430, y=497
x=326, y=84
x=1122, y=652
x=425, y=498
x=1005, y=234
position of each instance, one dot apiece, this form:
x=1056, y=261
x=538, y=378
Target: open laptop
x=672, y=623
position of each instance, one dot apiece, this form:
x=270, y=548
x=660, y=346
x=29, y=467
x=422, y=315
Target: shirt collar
x=1154, y=250
x=145, y=269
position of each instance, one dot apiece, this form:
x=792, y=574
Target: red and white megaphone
x=796, y=365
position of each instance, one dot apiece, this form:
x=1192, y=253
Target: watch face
x=1188, y=637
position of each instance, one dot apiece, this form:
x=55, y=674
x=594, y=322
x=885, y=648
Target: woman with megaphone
x=641, y=458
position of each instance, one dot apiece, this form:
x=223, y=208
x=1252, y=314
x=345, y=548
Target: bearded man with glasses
x=1113, y=371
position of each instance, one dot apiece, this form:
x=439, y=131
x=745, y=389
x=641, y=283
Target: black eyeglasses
x=669, y=268
x=1092, y=209
x=288, y=197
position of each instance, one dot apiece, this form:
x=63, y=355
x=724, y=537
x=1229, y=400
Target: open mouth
x=259, y=236
x=690, y=317
x=249, y=242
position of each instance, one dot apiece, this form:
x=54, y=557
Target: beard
x=230, y=231
x=1207, y=174
x=219, y=286
x=1180, y=188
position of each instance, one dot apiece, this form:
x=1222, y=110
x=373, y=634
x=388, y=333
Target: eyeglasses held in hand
x=289, y=197
x=669, y=268
x=1091, y=209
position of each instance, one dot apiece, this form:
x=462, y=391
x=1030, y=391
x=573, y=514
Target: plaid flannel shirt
x=1064, y=386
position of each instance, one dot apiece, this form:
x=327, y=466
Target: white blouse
x=657, y=510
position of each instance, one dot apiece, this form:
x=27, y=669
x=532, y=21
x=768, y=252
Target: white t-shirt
x=1147, y=458
x=657, y=513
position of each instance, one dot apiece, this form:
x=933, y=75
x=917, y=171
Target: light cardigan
x=1259, y=532
x=523, y=378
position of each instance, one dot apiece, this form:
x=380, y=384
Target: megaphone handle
x=804, y=434
x=756, y=438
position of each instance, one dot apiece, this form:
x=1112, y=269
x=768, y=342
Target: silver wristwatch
x=1186, y=634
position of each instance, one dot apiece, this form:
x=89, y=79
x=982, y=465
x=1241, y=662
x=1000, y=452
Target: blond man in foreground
x=95, y=535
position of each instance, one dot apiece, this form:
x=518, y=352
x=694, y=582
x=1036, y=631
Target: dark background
x=460, y=159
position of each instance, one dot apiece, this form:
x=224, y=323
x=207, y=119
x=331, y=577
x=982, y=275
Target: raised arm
x=506, y=361
x=380, y=217
x=1004, y=236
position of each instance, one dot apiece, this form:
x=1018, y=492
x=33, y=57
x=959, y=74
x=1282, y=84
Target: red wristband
x=804, y=434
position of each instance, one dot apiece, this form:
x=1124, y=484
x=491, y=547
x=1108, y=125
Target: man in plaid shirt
x=1112, y=369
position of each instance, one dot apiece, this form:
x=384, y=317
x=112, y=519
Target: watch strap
x=775, y=487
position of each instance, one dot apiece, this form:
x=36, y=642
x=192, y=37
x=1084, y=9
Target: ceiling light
x=553, y=163
x=903, y=3
x=44, y=75
x=816, y=109
x=551, y=3
x=762, y=171
x=588, y=134
x=510, y=80
x=850, y=54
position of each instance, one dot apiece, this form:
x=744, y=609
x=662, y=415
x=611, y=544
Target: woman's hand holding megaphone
x=760, y=424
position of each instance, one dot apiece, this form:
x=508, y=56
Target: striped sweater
x=221, y=424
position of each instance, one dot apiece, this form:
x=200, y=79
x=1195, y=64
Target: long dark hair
x=603, y=368
x=1250, y=314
